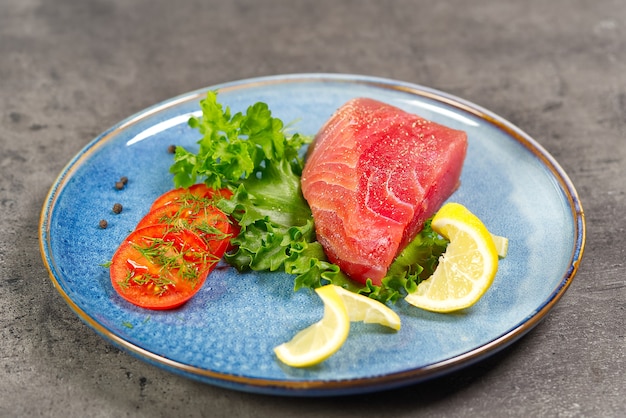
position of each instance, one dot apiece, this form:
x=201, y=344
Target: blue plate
x=225, y=335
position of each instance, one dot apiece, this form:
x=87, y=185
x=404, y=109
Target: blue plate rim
x=344, y=386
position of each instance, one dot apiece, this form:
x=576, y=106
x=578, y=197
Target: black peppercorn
x=103, y=223
x=117, y=208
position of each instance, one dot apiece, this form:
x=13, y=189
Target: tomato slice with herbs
x=208, y=222
x=196, y=192
x=160, y=266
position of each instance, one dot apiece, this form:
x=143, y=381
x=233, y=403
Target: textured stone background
x=69, y=69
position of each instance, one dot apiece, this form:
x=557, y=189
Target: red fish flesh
x=373, y=175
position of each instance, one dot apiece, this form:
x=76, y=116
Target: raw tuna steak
x=373, y=175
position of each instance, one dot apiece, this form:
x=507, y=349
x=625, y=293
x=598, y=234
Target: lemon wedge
x=370, y=311
x=466, y=269
x=319, y=341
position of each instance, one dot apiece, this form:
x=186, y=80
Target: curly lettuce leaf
x=277, y=230
x=416, y=262
x=235, y=147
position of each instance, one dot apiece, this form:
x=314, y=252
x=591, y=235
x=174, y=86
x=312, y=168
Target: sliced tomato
x=208, y=222
x=196, y=192
x=161, y=267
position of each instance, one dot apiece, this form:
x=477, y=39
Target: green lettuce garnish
x=235, y=147
x=252, y=154
x=416, y=262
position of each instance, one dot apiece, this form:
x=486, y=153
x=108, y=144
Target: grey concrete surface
x=69, y=69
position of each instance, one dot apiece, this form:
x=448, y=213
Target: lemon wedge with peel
x=466, y=269
x=319, y=341
x=370, y=311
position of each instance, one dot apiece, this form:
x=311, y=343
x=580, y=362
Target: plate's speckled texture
x=225, y=335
